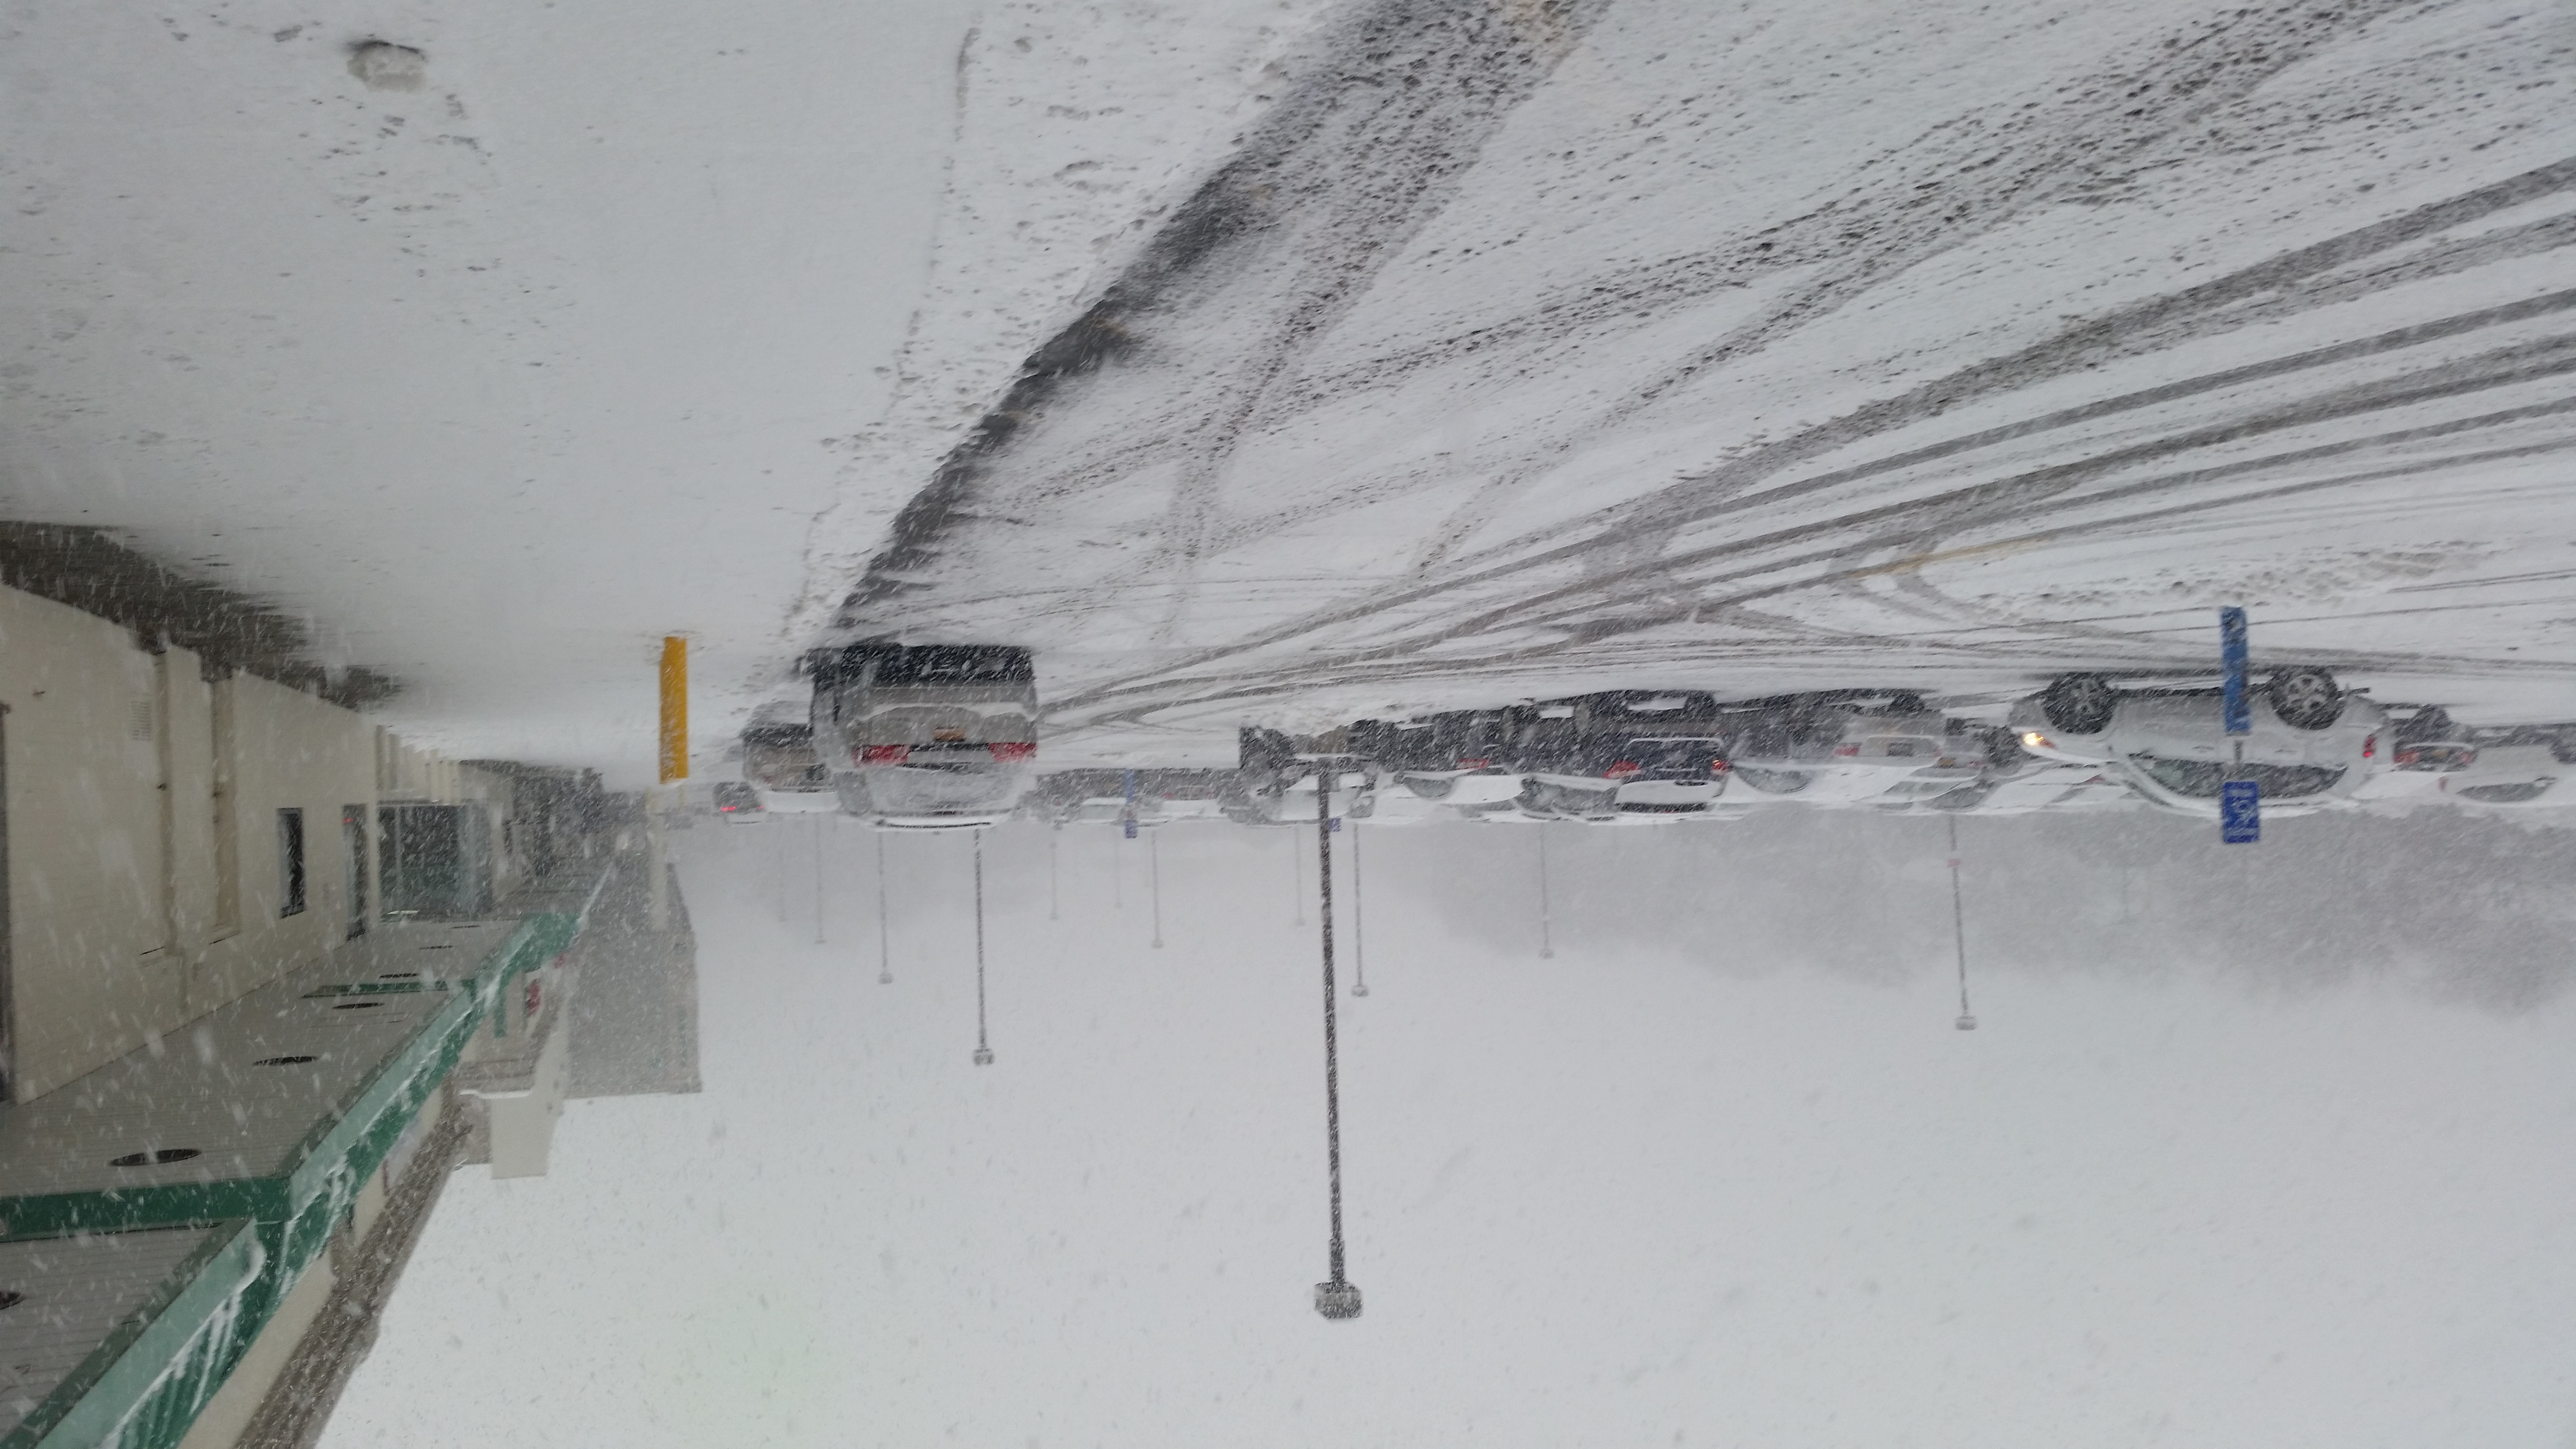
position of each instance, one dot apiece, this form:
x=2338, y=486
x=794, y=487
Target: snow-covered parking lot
x=2223, y=1164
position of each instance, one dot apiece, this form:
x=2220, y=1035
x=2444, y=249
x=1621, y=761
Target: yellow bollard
x=675, y=709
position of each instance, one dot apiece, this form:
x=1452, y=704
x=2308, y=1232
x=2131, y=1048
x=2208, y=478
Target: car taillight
x=883, y=754
x=1846, y=752
x=1718, y=767
x=1013, y=752
x=1622, y=770
x=1476, y=762
x=2370, y=748
x=726, y=809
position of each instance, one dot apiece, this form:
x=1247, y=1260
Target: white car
x=2312, y=744
x=2514, y=773
x=1828, y=751
x=928, y=733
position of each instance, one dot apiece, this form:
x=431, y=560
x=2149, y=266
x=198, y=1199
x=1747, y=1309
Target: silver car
x=928, y=734
x=1824, y=750
x=2313, y=744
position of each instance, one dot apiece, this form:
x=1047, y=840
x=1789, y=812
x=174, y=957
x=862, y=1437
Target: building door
x=353, y=851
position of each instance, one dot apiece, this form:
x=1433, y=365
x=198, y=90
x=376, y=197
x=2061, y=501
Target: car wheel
x=1429, y=789
x=2306, y=698
x=1907, y=703
x=2079, y=704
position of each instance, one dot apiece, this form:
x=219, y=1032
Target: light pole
x=1055, y=836
x=1154, y=845
x=1546, y=936
x=983, y=1048
x=818, y=880
x=1359, y=921
x=885, y=959
x=1297, y=870
x=1336, y=1297
x=1959, y=930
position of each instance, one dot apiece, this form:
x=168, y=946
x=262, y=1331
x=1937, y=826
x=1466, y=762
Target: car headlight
x=2033, y=739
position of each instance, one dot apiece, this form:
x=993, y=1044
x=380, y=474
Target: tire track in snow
x=2208, y=308
x=1348, y=164
x=1925, y=402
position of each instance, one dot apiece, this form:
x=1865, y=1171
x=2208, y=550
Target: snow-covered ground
x=499, y=379
x=1754, y=349
x=2266, y=1161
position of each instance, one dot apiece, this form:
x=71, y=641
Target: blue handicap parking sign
x=2235, y=708
x=2240, y=812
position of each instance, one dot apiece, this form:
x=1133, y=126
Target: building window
x=290, y=862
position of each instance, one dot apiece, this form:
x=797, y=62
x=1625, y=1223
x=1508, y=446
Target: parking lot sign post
x=2240, y=801
x=2231, y=656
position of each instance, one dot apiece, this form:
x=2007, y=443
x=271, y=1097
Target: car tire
x=2079, y=704
x=1907, y=702
x=2305, y=697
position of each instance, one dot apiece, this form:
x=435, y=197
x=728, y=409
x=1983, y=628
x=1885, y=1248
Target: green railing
x=144, y=1386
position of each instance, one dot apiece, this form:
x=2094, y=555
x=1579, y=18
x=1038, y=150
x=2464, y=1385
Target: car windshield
x=1672, y=758
x=2200, y=779
x=930, y=789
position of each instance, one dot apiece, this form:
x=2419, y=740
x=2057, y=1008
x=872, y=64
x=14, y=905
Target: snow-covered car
x=737, y=802
x=1289, y=799
x=1648, y=753
x=2434, y=760
x=926, y=734
x=1675, y=774
x=1464, y=792
x=2511, y=771
x=1849, y=749
x=778, y=756
x=2312, y=744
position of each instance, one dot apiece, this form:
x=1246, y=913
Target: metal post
x=1297, y=880
x=1154, y=845
x=1336, y=1297
x=1546, y=930
x=983, y=1049
x=885, y=959
x=657, y=838
x=1055, y=836
x=1359, y=922
x=818, y=880
x=1959, y=930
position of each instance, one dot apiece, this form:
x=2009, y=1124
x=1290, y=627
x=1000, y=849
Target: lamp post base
x=983, y=1056
x=1967, y=1022
x=1337, y=1300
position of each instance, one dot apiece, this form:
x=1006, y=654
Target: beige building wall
x=90, y=969
x=128, y=914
